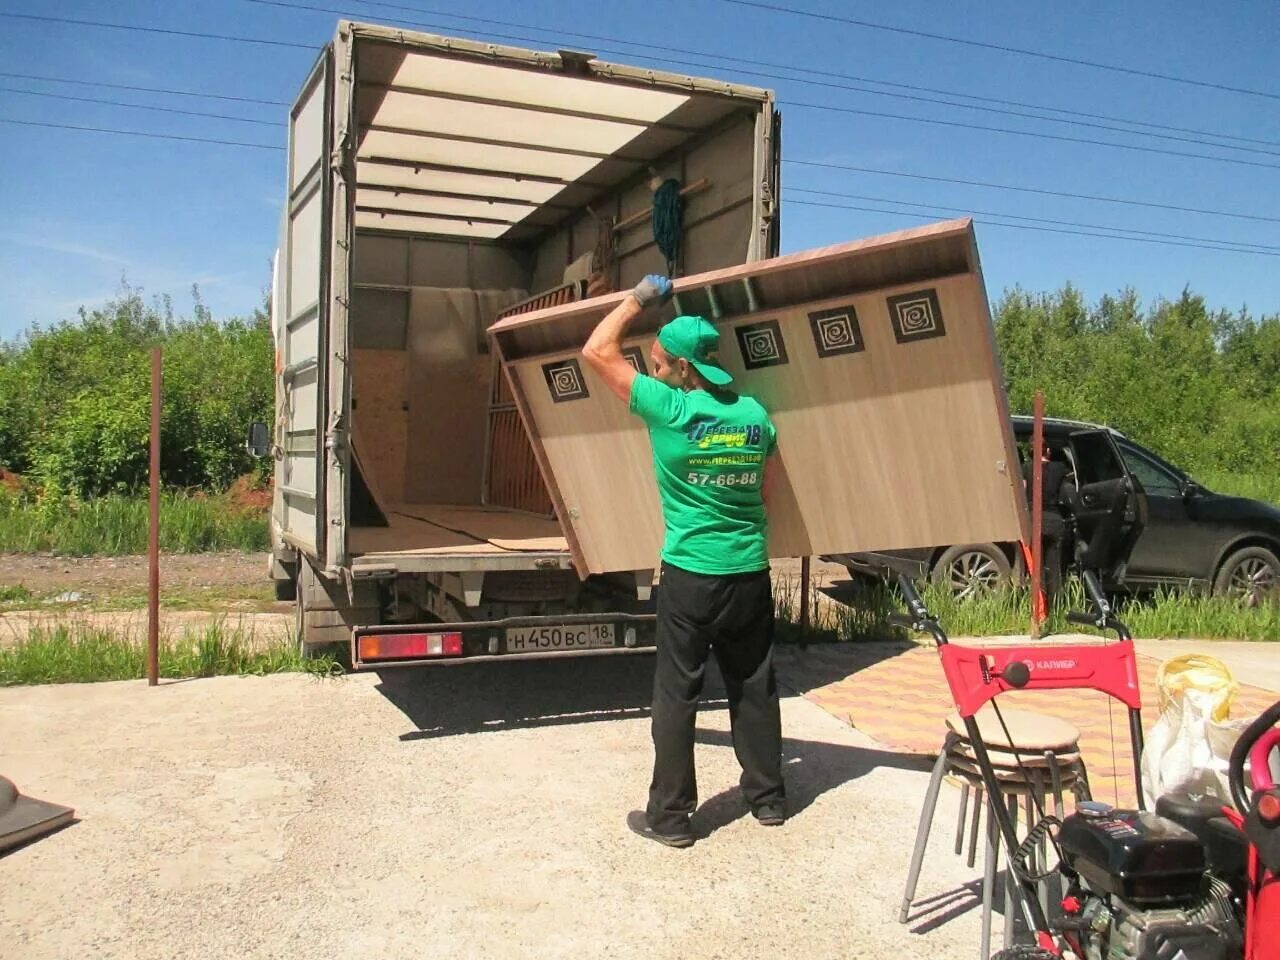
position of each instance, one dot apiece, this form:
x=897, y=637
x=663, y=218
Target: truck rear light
x=405, y=646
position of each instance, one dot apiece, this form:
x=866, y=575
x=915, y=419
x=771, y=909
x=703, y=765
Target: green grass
x=1157, y=616
x=1256, y=486
x=81, y=654
x=865, y=620
x=1200, y=617
x=14, y=594
x=116, y=526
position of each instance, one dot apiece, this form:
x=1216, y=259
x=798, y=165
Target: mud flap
x=25, y=818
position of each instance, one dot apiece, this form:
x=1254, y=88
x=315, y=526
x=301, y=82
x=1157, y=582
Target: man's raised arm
x=603, y=350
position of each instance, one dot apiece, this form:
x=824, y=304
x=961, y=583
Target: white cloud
x=63, y=246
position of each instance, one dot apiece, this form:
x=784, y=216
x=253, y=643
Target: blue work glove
x=652, y=290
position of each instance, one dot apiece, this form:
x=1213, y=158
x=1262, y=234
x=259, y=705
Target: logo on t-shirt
x=721, y=445
x=707, y=433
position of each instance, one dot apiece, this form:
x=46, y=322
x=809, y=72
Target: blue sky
x=82, y=210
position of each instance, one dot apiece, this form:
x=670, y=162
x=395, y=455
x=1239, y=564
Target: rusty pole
x=804, y=595
x=1038, y=610
x=153, y=538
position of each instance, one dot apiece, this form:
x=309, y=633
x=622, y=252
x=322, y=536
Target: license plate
x=586, y=636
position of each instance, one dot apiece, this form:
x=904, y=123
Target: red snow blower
x=1192, y=880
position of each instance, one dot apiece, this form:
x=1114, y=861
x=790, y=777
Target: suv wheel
x=972, y=569
x=1250, y=575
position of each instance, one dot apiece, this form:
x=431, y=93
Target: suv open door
x=1108, y=506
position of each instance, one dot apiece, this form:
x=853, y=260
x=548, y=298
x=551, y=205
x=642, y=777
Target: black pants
x=1052, y=554
x=1051, y=558
x=733, y=616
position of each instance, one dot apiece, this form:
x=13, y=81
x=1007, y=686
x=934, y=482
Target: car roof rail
x=1061, y=422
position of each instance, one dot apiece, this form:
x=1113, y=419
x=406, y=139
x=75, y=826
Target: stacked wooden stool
x=1050, y=765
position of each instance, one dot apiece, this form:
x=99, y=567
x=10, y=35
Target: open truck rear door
x=303, y=419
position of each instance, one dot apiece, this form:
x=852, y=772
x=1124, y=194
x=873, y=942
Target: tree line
x=1199, y=386
x=75, y=397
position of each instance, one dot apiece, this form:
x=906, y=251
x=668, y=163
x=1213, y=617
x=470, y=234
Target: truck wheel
x=1250, y=575
x=972, y=569
x=286, y=589
x=324, y=613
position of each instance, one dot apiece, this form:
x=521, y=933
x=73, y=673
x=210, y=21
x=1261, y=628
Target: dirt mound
x=10, y=482
x=250, y=494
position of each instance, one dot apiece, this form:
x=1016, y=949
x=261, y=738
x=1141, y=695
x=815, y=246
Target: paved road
x=1253, y=663
x=471, y=811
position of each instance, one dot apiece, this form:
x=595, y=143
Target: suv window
x=1097, y=459
x=1154, y=478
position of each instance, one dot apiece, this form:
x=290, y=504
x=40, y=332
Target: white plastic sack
x=1189, y=751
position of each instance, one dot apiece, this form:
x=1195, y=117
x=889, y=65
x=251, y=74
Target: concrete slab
x=472, y=811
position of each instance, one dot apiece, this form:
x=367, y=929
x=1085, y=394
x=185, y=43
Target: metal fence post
x=804, y=596
x=1039, y=608
x=153, y=533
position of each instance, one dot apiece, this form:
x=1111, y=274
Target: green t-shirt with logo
x=709, y=451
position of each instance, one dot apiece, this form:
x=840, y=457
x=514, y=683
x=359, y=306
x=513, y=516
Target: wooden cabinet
x=877, y=361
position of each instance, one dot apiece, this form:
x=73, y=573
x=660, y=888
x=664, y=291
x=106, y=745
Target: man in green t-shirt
x=711, y=455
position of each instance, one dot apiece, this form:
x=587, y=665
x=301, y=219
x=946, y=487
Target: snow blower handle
x=920, y=619
x=1255, y=732
x=1084, y=619
x=912, y=597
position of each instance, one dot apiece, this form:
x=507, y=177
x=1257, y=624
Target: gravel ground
x=218, y=578
x=46, y=572
x=470, y=811
x=106, y=577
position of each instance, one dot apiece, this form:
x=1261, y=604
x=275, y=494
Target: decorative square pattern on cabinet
x=836, y=331
x=564, y=380
x=916, y=316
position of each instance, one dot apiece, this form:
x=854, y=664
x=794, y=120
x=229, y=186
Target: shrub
x=75, y=398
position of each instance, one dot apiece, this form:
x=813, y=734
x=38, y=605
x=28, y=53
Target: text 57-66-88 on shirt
x=707, y=434
x=724, y=479
x=709, y=452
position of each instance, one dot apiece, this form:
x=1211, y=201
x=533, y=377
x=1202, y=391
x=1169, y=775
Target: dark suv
x=1192, y=538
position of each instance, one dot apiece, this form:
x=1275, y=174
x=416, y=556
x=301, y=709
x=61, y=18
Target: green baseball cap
x=693, y=339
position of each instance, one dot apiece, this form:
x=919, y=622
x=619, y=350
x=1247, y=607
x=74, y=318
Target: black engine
x=1154, y=886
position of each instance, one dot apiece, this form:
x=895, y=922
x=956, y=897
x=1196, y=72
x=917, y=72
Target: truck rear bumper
x=514, y=638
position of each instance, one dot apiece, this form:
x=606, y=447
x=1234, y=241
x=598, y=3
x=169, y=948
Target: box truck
x=434, y=186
